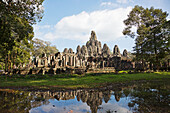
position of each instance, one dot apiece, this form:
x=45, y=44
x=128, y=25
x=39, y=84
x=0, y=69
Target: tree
x=151, y=36
x=41, y=47
x=16, y=31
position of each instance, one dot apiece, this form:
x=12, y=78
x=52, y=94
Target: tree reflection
x=14, y=102
x=147, y=97
x=150, y=98
x=18, y=101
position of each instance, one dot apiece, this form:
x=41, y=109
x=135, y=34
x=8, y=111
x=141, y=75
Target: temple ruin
x=90, y=58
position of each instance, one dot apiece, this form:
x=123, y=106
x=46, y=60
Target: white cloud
x=121, y=1
x=117, y=4
x=108, y=4
x=61, y=109
x=124, y=1
x=168, y=18
x=49, y=36
x=37, y=27
x=108, y=25
x=44, y=32
x=114, y=107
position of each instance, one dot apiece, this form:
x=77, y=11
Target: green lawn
x=77, y=81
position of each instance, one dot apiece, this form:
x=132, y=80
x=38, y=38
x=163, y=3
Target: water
x=141, y=97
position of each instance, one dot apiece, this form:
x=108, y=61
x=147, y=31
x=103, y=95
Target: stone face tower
x=125, y=53
x=78, y=50
x=105, y=50
x=116, y=51
x=93, y=36
x=93, y=48
x=93, y=45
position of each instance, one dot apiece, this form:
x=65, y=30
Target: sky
x=68, y=23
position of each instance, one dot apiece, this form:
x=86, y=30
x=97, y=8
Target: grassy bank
x=77, y=81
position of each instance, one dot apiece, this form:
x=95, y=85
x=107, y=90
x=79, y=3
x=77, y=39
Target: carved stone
x=65, y=50
x=93, y=36
x=116, y=51
x=70, y=50
x=78, y=50
x=84, y=51
x=125, y=53
x=105, y=50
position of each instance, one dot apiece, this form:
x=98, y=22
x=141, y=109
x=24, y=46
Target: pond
x=139, y=97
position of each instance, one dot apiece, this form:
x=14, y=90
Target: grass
x=77, y=81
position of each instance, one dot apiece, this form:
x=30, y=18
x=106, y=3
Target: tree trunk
x=156, y=54
x=6, y=66
x=8, y=62
x=142, y=57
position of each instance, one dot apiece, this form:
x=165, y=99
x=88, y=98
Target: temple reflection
x=93, y=98
x=140, y=98
x=28, y=100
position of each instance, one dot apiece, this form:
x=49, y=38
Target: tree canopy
x=43, y=47
x=16, y=31
x=151, y=36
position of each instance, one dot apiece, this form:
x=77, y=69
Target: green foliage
x=16, y=31
x=41, y=47
x=31, y=10
x=152, y=34
x=2, y=64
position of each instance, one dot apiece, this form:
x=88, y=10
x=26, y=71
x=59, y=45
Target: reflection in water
x=151, y=100
x=148, y=97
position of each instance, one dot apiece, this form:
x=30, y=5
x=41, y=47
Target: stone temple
x=90, y=58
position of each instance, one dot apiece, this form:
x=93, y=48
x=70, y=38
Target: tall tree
x=150, y=37
x=41, y=47
x=16, y=31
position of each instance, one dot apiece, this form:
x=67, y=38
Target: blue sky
x=68, y=23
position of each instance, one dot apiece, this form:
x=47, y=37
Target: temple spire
x=93, y=36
